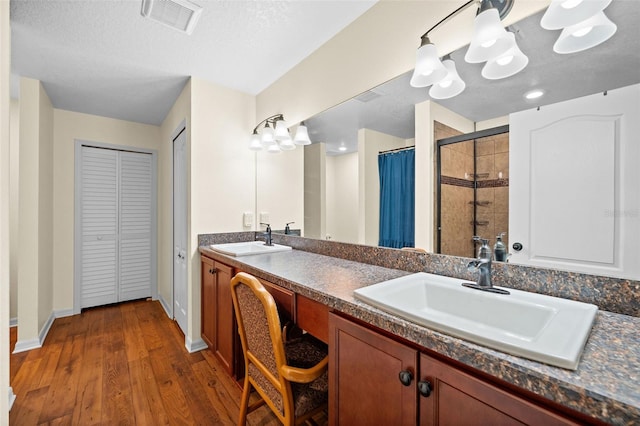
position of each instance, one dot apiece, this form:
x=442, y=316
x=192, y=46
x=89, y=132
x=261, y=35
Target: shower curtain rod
x=396, y=150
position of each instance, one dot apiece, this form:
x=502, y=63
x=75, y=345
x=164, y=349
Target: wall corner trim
x=12, y=397
x=27, y=345
x=194, y=346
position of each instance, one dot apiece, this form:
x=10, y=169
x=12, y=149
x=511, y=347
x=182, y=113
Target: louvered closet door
x=135, y=225
x=99, y=216
x=116, y=216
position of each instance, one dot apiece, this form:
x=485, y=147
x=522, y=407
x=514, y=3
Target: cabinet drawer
x=313, y=317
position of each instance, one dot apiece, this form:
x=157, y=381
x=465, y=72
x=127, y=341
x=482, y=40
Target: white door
x=116, y=226
x=573, y=186
x=180, y=307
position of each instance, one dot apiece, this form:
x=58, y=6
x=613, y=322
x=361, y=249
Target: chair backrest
x=262, y=343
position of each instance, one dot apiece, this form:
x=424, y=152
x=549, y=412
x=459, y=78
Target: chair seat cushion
x=305, y=352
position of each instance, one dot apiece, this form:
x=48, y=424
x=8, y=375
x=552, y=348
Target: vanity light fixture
x=490, y=42
x=583, y=24
x=275, y=137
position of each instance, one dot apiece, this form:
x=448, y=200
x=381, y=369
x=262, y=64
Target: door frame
x=77, y=227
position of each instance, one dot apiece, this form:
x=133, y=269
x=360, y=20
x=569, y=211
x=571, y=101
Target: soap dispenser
x=499, y=249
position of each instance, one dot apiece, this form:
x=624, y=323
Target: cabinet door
x=225, y=329
x=364, y=370
x=458, y=398
x=208, y=302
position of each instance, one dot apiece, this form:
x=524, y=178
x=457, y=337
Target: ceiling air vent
x=367, y=96
x=181, y=15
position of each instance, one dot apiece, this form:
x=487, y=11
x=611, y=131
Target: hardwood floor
x=123, y=364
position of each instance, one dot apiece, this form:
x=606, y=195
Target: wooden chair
x=290, y=377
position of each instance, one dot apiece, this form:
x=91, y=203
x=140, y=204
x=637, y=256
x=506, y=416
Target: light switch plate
x=247, y=219
x=264, y=217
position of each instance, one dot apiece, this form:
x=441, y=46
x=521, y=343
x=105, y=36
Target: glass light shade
x=450, y=86
x=489, y=38
x=287, y=145
x=273, y=148
x=507, y=64
x=302, y=136
x=564, y=13
x=281, y=132
x=585, y=35
x=267, y=136
x=255, y=142
x=429, y=68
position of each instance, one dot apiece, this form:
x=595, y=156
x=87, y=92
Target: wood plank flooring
x=123, y=364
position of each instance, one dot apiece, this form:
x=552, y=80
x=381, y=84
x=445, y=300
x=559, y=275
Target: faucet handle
x=268, y=225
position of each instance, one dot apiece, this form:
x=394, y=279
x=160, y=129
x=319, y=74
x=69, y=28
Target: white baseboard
x=12, y=397
x=166, y=306
x=27, y=345
x=194, y=346
x=13, y=322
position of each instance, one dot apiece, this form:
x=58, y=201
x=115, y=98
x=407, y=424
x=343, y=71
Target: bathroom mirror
x=389, y=109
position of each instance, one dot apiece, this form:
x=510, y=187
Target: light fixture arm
x=269, y=120
x=447, y=18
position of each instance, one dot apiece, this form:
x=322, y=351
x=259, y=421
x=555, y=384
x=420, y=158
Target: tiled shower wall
x=491, y=173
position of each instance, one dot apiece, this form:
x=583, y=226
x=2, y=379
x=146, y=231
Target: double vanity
x=408, y=346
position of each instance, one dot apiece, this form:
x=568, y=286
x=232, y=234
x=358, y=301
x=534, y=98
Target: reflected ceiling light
x=302, y=135
x=451, y=85
x=534, y=94
x=509, y=63
x=429, y=69
x=490, y=40
x=275, y=135
x=585, y=35
x=565, y=13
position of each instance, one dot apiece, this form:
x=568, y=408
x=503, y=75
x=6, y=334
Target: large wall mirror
x=348, y=137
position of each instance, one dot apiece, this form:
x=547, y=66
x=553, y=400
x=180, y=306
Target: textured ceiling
x=613, y=64
x=102, y=57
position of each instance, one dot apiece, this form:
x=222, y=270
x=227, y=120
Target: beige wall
x=14, y=153
x=426, y=114
x=180, y=113
x=35, y=263
x=342, y=197
x=5, y=59
x=316, y=187
x=222, y=177
x=69, y=126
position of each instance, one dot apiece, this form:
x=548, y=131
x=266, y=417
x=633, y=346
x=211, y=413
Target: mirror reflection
x=349, y=137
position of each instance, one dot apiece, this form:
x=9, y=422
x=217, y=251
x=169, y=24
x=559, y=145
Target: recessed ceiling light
x=534, y=94
x=342, y=148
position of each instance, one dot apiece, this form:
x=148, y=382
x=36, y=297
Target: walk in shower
x=472, y=196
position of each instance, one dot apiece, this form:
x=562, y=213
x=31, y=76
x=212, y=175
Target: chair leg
x=244, y=402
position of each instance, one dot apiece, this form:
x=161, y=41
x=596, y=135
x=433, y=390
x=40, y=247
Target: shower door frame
x=449, y=141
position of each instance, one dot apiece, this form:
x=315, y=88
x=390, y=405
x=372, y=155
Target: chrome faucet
x=267, y=234
x=483, y=265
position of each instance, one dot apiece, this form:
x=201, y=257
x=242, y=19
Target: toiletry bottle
x=499, y=249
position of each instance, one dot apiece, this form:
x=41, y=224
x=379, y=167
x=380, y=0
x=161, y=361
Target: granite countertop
x=605, y=386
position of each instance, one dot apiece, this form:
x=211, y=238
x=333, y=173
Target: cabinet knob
x=405, y=377
x=424, y=387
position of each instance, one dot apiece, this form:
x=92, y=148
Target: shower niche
x=472, y=190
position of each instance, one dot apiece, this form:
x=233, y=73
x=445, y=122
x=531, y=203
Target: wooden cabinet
x=373, y=381
x=218, y=321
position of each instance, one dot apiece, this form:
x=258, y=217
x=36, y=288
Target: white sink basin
x=543, y=328
x=248, y=248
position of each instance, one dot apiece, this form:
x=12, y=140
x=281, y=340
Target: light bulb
x=488, y=43
x=570, y=4
x=583, y=32
x=504, y=60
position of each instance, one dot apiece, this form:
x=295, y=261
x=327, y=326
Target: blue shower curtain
x=397, y=198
